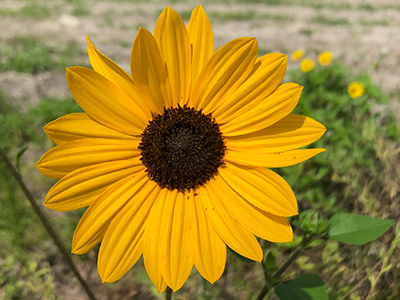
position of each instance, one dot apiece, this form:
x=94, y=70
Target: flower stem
x=168, y=293
x=291, y=259
x=47, y=224
x=271, y=281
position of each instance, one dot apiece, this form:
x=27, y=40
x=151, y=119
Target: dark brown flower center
x=182, y=148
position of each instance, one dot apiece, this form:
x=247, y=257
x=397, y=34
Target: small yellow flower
x=356, y=90
x=306, y=65
x=296, y=55
x=325, y=58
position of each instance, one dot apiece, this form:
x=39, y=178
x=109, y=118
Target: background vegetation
x=359, y=173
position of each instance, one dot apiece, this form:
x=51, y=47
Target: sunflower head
x=182, y=148
x=172, y=159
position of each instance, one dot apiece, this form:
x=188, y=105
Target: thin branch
x=47, y=224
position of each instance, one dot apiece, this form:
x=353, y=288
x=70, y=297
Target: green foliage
x=18, y=130
x=304, y=287
x=335, y=179
x=32, y=11
x=25, y=54
x=356, y=229
x=322, y=19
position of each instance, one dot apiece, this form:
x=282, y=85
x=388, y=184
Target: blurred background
x=359, y=173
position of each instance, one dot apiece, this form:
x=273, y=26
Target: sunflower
x=171, y=160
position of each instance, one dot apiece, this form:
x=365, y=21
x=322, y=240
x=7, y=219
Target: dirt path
x=361, y=34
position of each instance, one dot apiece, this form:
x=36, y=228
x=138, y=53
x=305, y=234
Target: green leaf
x=356, y=229
x=304, y=287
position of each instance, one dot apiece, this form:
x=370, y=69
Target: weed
x=370, y=22
x=237, y=16
x=306, y=31
x=25, y=54
x=278, y=17
x=321, y=19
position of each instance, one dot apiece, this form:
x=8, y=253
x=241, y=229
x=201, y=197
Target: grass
x=278, y=17
x=236, y=16
x=371, y=22
x=331, y=21
x=32, y=11
x=28, y=54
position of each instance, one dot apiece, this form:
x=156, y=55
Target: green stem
x=168, y=293
x=291, y=259
x=263, y=292
x=47, y=224
x=271, y=281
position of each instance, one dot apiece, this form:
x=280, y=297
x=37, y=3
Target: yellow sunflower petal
x=79, y=126
x=173, y=40
x=232, y=233
x=152, y=245
x=93, y=224
x=123, y=242
x=261, y=187
x=201, y=40
x=291, y=132
x=265, y=77
x=275, y=107
x=148, y=72
x=271, y=160
x=225, y=71
x=264, y=225
x=110, y=70
x=104, y=101
x=176, y=261
x=208, y=249
x=81, y=187
x=68, y=157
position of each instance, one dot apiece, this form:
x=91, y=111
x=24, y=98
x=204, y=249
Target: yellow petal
x=152, y=244
x=110, y=70
x=68, y=157
x=271, y=160
x=225, y=71
x=208, y=250
x=272, y=109
x=291, y=132
x=81, y=187
x=261, y=187
x=265, y=77
x=104, y=101
x=201, y=40
x=94, y=222
x=79, y=126
x=262, y=224
x=176, y=261
x=123, y=242
x=232, y=233
x=173, y=40
x=148, y=72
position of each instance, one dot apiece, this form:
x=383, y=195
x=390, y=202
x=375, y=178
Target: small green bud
x=312, y=222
